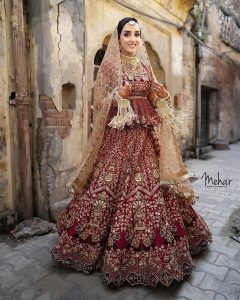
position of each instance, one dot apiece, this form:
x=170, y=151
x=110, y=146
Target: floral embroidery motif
x=126, y=224
x=138, y=206
x=108, y=177
x=138, y=177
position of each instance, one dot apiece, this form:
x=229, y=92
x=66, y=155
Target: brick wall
x=53, y=127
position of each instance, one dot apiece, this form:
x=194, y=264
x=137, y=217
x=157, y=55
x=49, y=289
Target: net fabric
x=108, y=81
x=172, y=170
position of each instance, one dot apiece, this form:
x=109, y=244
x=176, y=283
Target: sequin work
x=126, y=224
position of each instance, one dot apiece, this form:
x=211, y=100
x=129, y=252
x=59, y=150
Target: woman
x=131, y=217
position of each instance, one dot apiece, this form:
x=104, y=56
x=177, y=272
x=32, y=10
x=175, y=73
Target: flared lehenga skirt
x=126, y=224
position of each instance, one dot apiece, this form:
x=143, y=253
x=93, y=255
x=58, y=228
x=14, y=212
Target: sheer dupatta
x=172, y=170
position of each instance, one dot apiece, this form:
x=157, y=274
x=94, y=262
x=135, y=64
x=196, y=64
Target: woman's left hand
x=159, y=90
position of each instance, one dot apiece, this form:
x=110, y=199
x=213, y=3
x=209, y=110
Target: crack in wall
x=5, y=10
x=60, y=37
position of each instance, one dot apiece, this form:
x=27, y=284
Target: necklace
x=133, y=67
x=130, y=59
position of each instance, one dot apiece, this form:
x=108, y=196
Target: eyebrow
x=130, y=31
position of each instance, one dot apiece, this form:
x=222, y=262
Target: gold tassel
x=125, y=114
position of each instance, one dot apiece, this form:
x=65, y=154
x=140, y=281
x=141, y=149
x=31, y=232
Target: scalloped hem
x=165, y=277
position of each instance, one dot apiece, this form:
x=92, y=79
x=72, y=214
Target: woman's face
x=130, y=39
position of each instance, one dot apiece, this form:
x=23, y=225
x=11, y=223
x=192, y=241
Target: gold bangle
x=118, y=97
x=157, y=101
x=167, y=97
x=123, y=103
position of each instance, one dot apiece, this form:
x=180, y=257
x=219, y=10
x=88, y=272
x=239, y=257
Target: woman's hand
x=124, y=90
x=159, y=90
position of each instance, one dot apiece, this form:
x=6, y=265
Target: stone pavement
x=27, y=271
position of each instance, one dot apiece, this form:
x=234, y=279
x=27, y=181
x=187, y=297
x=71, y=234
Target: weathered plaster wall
x=225, y=76
x=56, y=31
x=187, y=101
x=8, y=153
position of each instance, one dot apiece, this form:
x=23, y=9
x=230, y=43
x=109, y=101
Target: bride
x=131, y=216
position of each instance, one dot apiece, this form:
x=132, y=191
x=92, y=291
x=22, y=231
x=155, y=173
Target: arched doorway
x=156, y=64
x=97, y=62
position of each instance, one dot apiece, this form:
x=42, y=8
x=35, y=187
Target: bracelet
x=158, y=102
x=123, y=103
x=152, y=89
x=167, y=97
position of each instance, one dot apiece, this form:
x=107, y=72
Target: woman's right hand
x=124, y=90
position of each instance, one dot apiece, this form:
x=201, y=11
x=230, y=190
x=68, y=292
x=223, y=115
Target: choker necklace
x=133, y=68
x=130, y=59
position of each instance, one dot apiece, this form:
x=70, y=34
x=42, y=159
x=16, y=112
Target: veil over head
x=172, y=170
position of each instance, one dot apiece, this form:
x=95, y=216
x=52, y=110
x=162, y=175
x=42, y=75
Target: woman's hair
x=123, y=22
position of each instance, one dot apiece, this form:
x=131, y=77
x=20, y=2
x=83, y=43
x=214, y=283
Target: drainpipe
x=198, y=56
x=24, y=203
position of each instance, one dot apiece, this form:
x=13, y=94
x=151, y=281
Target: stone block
x=229, y=252
x=227, y=262
x=34, y=271
x=215, y=270
x=233, y=277
x=196, y=278
x=212, y=283
x=187, y=291
x=55, y=286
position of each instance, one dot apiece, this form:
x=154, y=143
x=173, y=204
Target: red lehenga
x=125, y=224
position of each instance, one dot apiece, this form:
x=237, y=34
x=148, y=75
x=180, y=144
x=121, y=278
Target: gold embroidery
x=138, y=177
x=96, y=173
x=108, y=177
x=99, y=206
x=138, y=206
x=161, y=200
x=168, y=232
x=155, y=173
x=94, y=224
x=139, y=215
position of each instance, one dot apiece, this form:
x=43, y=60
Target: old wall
x=9, y=183
x=188, y=100
x=224, y=75
x=56, y=30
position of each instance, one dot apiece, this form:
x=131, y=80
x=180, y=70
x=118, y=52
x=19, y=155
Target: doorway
x=209, y=117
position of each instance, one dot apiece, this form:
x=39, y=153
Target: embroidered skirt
x=125, y=224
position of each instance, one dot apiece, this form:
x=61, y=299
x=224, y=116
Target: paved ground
x=27, y=272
